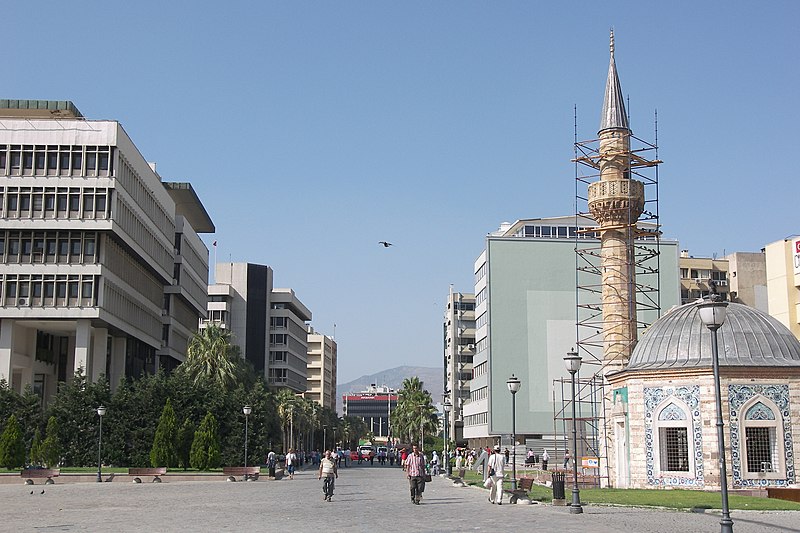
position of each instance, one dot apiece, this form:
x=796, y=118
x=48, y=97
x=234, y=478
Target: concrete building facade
x=697, y=272
x=102, y=268
x=459, y=350
x=374, y=406
x=525, y=309
x=269, y=325
x=321, y=379
x=747, y=279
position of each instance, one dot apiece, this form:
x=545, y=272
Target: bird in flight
x=385, y=244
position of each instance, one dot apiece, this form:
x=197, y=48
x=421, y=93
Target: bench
x=155, y=472
x=40, y=473
x=524, y=485
x=246, y=472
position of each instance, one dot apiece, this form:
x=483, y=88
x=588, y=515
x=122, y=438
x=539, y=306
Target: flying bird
x=385, y=244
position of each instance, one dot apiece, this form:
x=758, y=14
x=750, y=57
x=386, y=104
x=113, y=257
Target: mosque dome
x=748, y=337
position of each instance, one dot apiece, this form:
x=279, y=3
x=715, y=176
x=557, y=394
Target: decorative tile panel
x=655, y=396
x=779, y=394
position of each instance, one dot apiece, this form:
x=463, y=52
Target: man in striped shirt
x=415, y=470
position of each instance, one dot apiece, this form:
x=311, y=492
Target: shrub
x=205, y=452
x=51, y=450
x=164, y=451
x=12, y=447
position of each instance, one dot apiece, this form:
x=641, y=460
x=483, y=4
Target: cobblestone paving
x=368, y=499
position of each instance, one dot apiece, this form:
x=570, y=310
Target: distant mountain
x=432, y=380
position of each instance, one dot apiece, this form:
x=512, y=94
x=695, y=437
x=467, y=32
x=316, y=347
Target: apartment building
x=321, y=369
x=270, y=325
x=697, y=272
x=459, y=349
x=102, y=267
x=783, y=282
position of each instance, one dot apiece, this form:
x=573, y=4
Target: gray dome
x=747, y=338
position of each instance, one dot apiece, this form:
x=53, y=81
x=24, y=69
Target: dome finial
x=611, y=45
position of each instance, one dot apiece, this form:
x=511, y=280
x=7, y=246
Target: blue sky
x=312, y=130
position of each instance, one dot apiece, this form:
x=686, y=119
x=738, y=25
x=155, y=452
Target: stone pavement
x=370, y=499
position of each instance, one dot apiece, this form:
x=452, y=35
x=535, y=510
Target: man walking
x=327, y=468
x=496, y=465
x=414, y=466
x=291, y=462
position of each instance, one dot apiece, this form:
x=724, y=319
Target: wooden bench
x=155, y=472
x=40, y=473
x=245, y=472
x=524, y=485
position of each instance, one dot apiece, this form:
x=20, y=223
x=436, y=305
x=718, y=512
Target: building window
x=762, y=434
x=673, y=428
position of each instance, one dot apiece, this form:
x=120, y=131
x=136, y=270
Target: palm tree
x=287, y=408
x=211, y=355
x=414, y=414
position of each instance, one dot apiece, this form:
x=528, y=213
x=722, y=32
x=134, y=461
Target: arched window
x=673, y=432
x=761, y=431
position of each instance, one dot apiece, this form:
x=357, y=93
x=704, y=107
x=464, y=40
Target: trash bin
x=558, y=485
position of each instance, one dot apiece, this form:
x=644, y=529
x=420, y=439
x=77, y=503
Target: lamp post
x=334, y=439
x=101, y=411
x=573, y=364
x=712, y=314
x=447, y=406
x=246, y=410
x=513, y=386
x=324, y=437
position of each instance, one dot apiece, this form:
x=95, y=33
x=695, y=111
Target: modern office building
x=374, y=406
x=697, y=272
x=525, y=312
x=321, y=380
x=269, y=325
x=783, y=282
x=459, y=349
x=102, y=268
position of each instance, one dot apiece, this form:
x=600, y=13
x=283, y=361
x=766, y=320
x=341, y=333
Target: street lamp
x=324, y=437
x=101, y=411
x=447, y=406
x=712, y=314
x=246, y=410
x=573, y=364
x=513, y=385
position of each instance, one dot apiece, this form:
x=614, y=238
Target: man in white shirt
x=496, y=466
x=327, y=468
x=291, y=462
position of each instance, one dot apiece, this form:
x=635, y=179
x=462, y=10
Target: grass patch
x=671, y=499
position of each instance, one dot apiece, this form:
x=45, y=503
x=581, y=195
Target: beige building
x=747, y=279
x=102, y=267
x=783, y=282
x=695, y=274
x=321, y=380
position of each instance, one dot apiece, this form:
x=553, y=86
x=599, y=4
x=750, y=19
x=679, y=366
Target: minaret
x=615, y=202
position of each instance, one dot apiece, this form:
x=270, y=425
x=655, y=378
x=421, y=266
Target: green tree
x=51, y=451
x=12, y=447
x=185, y=438
x=164, y=451
x=36, y=450
x=205, y=452
x=212, y=356
x=415, y=415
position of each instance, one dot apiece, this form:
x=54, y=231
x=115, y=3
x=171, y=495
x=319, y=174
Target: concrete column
x=117, y=367
x=6, y=348
x=83, y=336
x=99, y=347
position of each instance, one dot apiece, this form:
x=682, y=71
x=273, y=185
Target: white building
x=102, y=268
x=459, y=349
x=321, y=380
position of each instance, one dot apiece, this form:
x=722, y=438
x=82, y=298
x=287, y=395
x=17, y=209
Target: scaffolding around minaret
x=617, y=268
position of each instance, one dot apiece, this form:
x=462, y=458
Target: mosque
x=660, y=427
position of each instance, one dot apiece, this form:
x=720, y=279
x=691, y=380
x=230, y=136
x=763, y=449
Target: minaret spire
x=614, y=115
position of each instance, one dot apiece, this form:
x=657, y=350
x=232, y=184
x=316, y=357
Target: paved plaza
x=368, y=498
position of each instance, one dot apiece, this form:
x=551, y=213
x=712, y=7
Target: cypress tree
x=205, y=451
x=185, y=438
x=36, y=449
x=164, y=451
x=12, y=447
x=51, y=451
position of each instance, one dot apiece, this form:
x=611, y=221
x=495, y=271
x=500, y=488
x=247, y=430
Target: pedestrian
x=291, y=462
x=545, y=458
x=470, y=459
x=567, y=457
x=459, y=459
x=507, y=454
x=327, y=468
x=271, y=460
x=435, y=464
x=414, y=466
x=494, y=481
